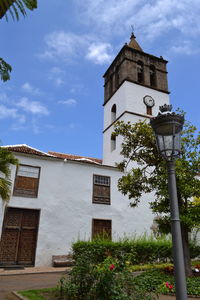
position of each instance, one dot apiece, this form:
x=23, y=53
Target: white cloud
x=65, y=45
x=56, y=75
x=184, y=47
x=112, y=15
x=35, y=126
x=151, y=19
x=27, y=87
x=56, y=70
x=12, y=113
x=6, y=112
x=72, y=47
x=78, y=88
x=99, y=53
x=4, y=97
x=58, y=81
x=69, y=102
x=33, y=107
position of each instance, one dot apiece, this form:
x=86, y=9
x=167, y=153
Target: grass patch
x=155, y=281
x=41, y=294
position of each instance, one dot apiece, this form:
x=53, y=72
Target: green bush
x=109, y=280
x=137, y=250
x=159, y=282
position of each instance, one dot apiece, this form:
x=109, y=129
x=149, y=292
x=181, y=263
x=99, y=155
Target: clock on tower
x=135, y=86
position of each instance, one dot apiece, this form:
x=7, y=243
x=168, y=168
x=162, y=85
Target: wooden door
x=19, y=236
x=102, y=228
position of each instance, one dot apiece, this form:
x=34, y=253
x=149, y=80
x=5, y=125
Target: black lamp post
x=167, y=127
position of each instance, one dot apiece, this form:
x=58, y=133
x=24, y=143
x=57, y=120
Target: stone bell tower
x=135, y=86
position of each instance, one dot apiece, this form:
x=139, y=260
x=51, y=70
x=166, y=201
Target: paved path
x=165, y=297
x=27, y=282
x=20, y=281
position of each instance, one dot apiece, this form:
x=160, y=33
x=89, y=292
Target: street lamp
x=167, y=127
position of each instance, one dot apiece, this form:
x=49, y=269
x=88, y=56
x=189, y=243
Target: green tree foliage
x=6, y=158
x=5, y=70
x=14, y=8
x=149, y=173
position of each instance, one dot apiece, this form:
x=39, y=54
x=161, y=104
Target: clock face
x=149, y=101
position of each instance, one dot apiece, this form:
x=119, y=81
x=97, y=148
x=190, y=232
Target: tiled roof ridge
x=29, y=147
x=76, y=157
x=24, y=148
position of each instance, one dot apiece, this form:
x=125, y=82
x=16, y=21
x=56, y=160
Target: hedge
x=137, y=251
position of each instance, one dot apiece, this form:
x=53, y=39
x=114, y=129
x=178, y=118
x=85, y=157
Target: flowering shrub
x=166, y=288
x=196, y=270
x=109, y=280
x=169, y=286
x=197, y=266
x=169, y=269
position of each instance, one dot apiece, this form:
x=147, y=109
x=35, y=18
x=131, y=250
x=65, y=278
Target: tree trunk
x=186, y=251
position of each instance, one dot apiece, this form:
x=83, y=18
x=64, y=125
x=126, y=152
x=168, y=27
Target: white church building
x=59, y=198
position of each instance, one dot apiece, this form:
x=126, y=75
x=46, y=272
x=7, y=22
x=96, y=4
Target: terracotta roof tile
x=23, y=148
x=76, y=157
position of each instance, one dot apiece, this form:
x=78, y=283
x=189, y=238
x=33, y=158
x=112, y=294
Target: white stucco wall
x=129, y=97
x=65, y=202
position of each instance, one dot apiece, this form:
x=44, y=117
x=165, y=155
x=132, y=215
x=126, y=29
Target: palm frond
x=6, y=158
x=5, y=70
x=5, y=186
x=14, y=7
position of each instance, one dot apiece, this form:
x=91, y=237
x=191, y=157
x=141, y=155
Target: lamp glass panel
x=177, y=142
x=160, y=142
x=168, y=145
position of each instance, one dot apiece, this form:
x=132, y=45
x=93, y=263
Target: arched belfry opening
x=113, y=142
x=140, y=72
x=152, y=71
x=113, y=113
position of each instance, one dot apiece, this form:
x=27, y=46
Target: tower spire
x=133, y=43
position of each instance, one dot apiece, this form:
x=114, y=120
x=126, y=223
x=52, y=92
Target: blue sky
x=60, y=51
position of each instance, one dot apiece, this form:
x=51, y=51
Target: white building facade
x=59, y=198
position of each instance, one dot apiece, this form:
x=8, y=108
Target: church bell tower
x=135, y=86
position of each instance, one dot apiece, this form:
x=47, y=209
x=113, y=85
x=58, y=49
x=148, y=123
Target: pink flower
x=112, y=267
x=170, y=286
x=167, y=284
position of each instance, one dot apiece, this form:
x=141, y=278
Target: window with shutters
x=101, y=189
x=102, y=228
x=27, y=181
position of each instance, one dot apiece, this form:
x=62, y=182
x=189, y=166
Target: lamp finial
x=165, y=108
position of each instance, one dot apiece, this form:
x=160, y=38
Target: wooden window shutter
x=101, y=189
x=102, y=228
x=27, y=186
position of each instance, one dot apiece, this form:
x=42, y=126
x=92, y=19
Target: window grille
x=26, y=181
x=101, y=189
